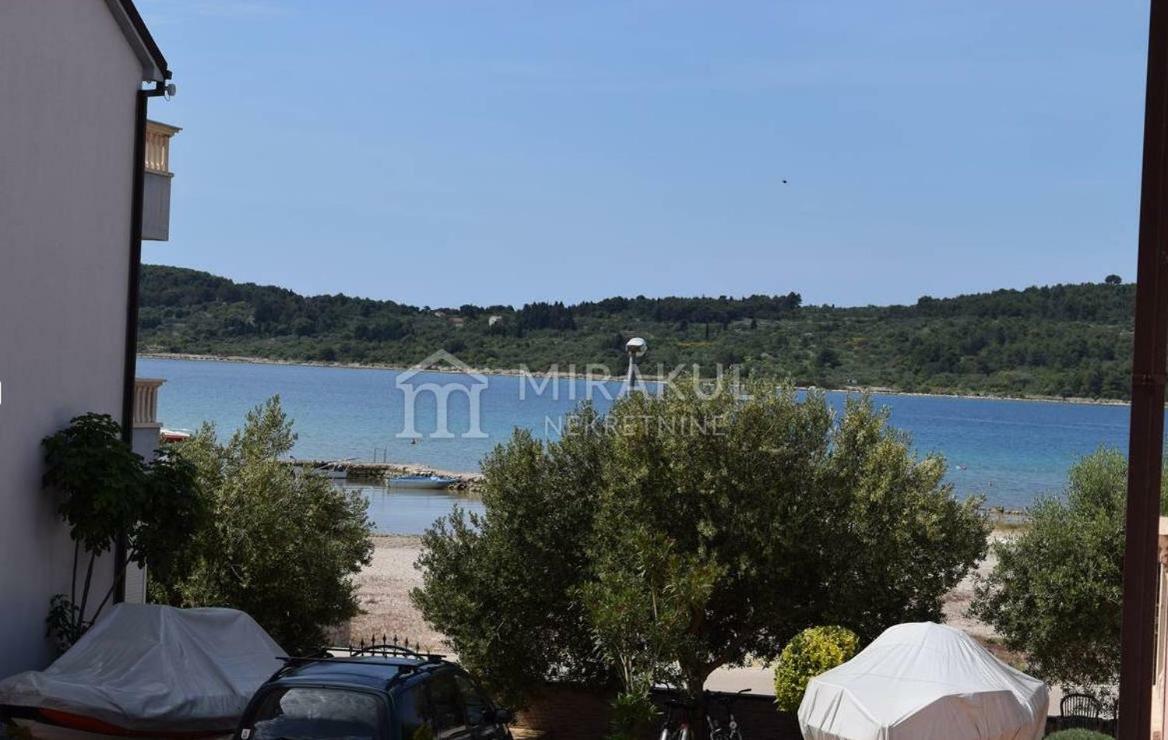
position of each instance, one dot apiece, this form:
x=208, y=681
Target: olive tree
x=689, y=530
x=1056, y=592
x=280, y=545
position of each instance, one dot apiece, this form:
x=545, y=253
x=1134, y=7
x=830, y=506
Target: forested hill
x=1063, y=340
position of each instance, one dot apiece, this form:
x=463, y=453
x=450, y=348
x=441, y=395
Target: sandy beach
x=386, y=582
x=384, y=592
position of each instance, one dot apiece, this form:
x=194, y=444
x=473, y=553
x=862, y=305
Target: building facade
x=71, y=161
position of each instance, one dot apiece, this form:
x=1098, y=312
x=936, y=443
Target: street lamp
x=635, y=347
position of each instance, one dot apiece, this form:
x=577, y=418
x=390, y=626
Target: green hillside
x=1062, y=340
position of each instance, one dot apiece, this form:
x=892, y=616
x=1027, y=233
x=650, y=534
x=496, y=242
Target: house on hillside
x=83, y=179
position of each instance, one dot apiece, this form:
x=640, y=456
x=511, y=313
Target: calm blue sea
x=1008, y=451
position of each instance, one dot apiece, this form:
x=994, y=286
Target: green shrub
x=281, y=546
x=810, y=653
x=1078, y=735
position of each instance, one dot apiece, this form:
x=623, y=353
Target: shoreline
x=517, y=373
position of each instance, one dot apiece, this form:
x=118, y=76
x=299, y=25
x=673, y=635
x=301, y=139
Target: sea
x=1010, y=452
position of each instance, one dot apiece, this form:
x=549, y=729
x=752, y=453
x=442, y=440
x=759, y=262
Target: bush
x=813, y=651
x=689, y=531
x=280, y=545
x=1057, y=589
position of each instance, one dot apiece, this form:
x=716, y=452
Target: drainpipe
x=132, y=291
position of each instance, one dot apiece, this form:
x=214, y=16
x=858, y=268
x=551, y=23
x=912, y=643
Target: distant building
x=83, y=178
x=494, y=319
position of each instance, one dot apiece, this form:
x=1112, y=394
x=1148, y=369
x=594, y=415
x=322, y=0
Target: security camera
x=636, y=347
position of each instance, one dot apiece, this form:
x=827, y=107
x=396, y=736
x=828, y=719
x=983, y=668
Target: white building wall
x=67, y=100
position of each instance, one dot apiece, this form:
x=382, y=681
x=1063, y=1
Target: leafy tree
x=105, y=491
x=503, y=586
x=1056, y=592
x=684, y=532
x=280, y=545
x=813, y=651
x=1061, y=340
x=1113, y=280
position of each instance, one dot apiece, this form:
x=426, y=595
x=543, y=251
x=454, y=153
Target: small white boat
x=338, y=470
x=422, y=481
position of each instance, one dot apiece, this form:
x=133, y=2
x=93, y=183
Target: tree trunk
x=695, y=682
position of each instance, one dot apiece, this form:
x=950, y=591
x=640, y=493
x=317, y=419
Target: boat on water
x=431, y=480
x=332, y=469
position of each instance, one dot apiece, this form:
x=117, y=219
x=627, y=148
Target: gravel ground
x=958, y=600
x=385, y=586
x=385, y=596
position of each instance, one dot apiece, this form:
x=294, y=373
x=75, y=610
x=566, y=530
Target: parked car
x=379, y=693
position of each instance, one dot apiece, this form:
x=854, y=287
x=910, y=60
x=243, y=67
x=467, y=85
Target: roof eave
x=154, y=67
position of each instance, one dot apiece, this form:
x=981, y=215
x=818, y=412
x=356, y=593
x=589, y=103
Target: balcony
x=156, y=188
x=146, y=403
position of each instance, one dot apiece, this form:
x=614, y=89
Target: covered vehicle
x=148, y=671
x=923, y=680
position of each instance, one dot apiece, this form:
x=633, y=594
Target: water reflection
x=410, y=510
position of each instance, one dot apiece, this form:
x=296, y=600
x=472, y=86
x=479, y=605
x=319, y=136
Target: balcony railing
x=156, y=188
x=146, y=401
x=158, y=146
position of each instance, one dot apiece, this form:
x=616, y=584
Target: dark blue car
x=392, y=695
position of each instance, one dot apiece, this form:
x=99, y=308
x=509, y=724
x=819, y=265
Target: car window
x=306, y=713
x=446, y=709
x=473, y=702
x=413, y=714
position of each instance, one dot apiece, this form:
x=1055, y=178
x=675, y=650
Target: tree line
x=1061, y=340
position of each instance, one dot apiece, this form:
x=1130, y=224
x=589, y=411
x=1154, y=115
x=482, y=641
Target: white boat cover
x=152, y=668
x=920, y=681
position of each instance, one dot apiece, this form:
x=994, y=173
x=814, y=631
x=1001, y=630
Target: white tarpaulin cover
x=920, y=681
x=149, y=668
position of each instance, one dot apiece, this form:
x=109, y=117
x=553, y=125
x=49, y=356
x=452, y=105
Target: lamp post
x=635, y=347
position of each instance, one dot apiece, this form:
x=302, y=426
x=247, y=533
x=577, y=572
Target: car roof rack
x=372, y=650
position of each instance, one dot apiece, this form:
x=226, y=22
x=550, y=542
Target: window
x=447, y=714
x=473, y=702
x=413, y=713
x=315, y=714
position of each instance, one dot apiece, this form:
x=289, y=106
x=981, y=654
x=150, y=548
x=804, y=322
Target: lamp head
x=636, y=347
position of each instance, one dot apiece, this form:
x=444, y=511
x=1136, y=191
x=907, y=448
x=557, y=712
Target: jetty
x=363, y=471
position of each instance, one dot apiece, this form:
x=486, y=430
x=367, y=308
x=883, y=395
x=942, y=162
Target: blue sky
x=442, y=153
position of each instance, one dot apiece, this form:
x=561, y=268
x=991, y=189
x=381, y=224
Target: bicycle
x=731, y=730
x=672, y=729
x=675, y=728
